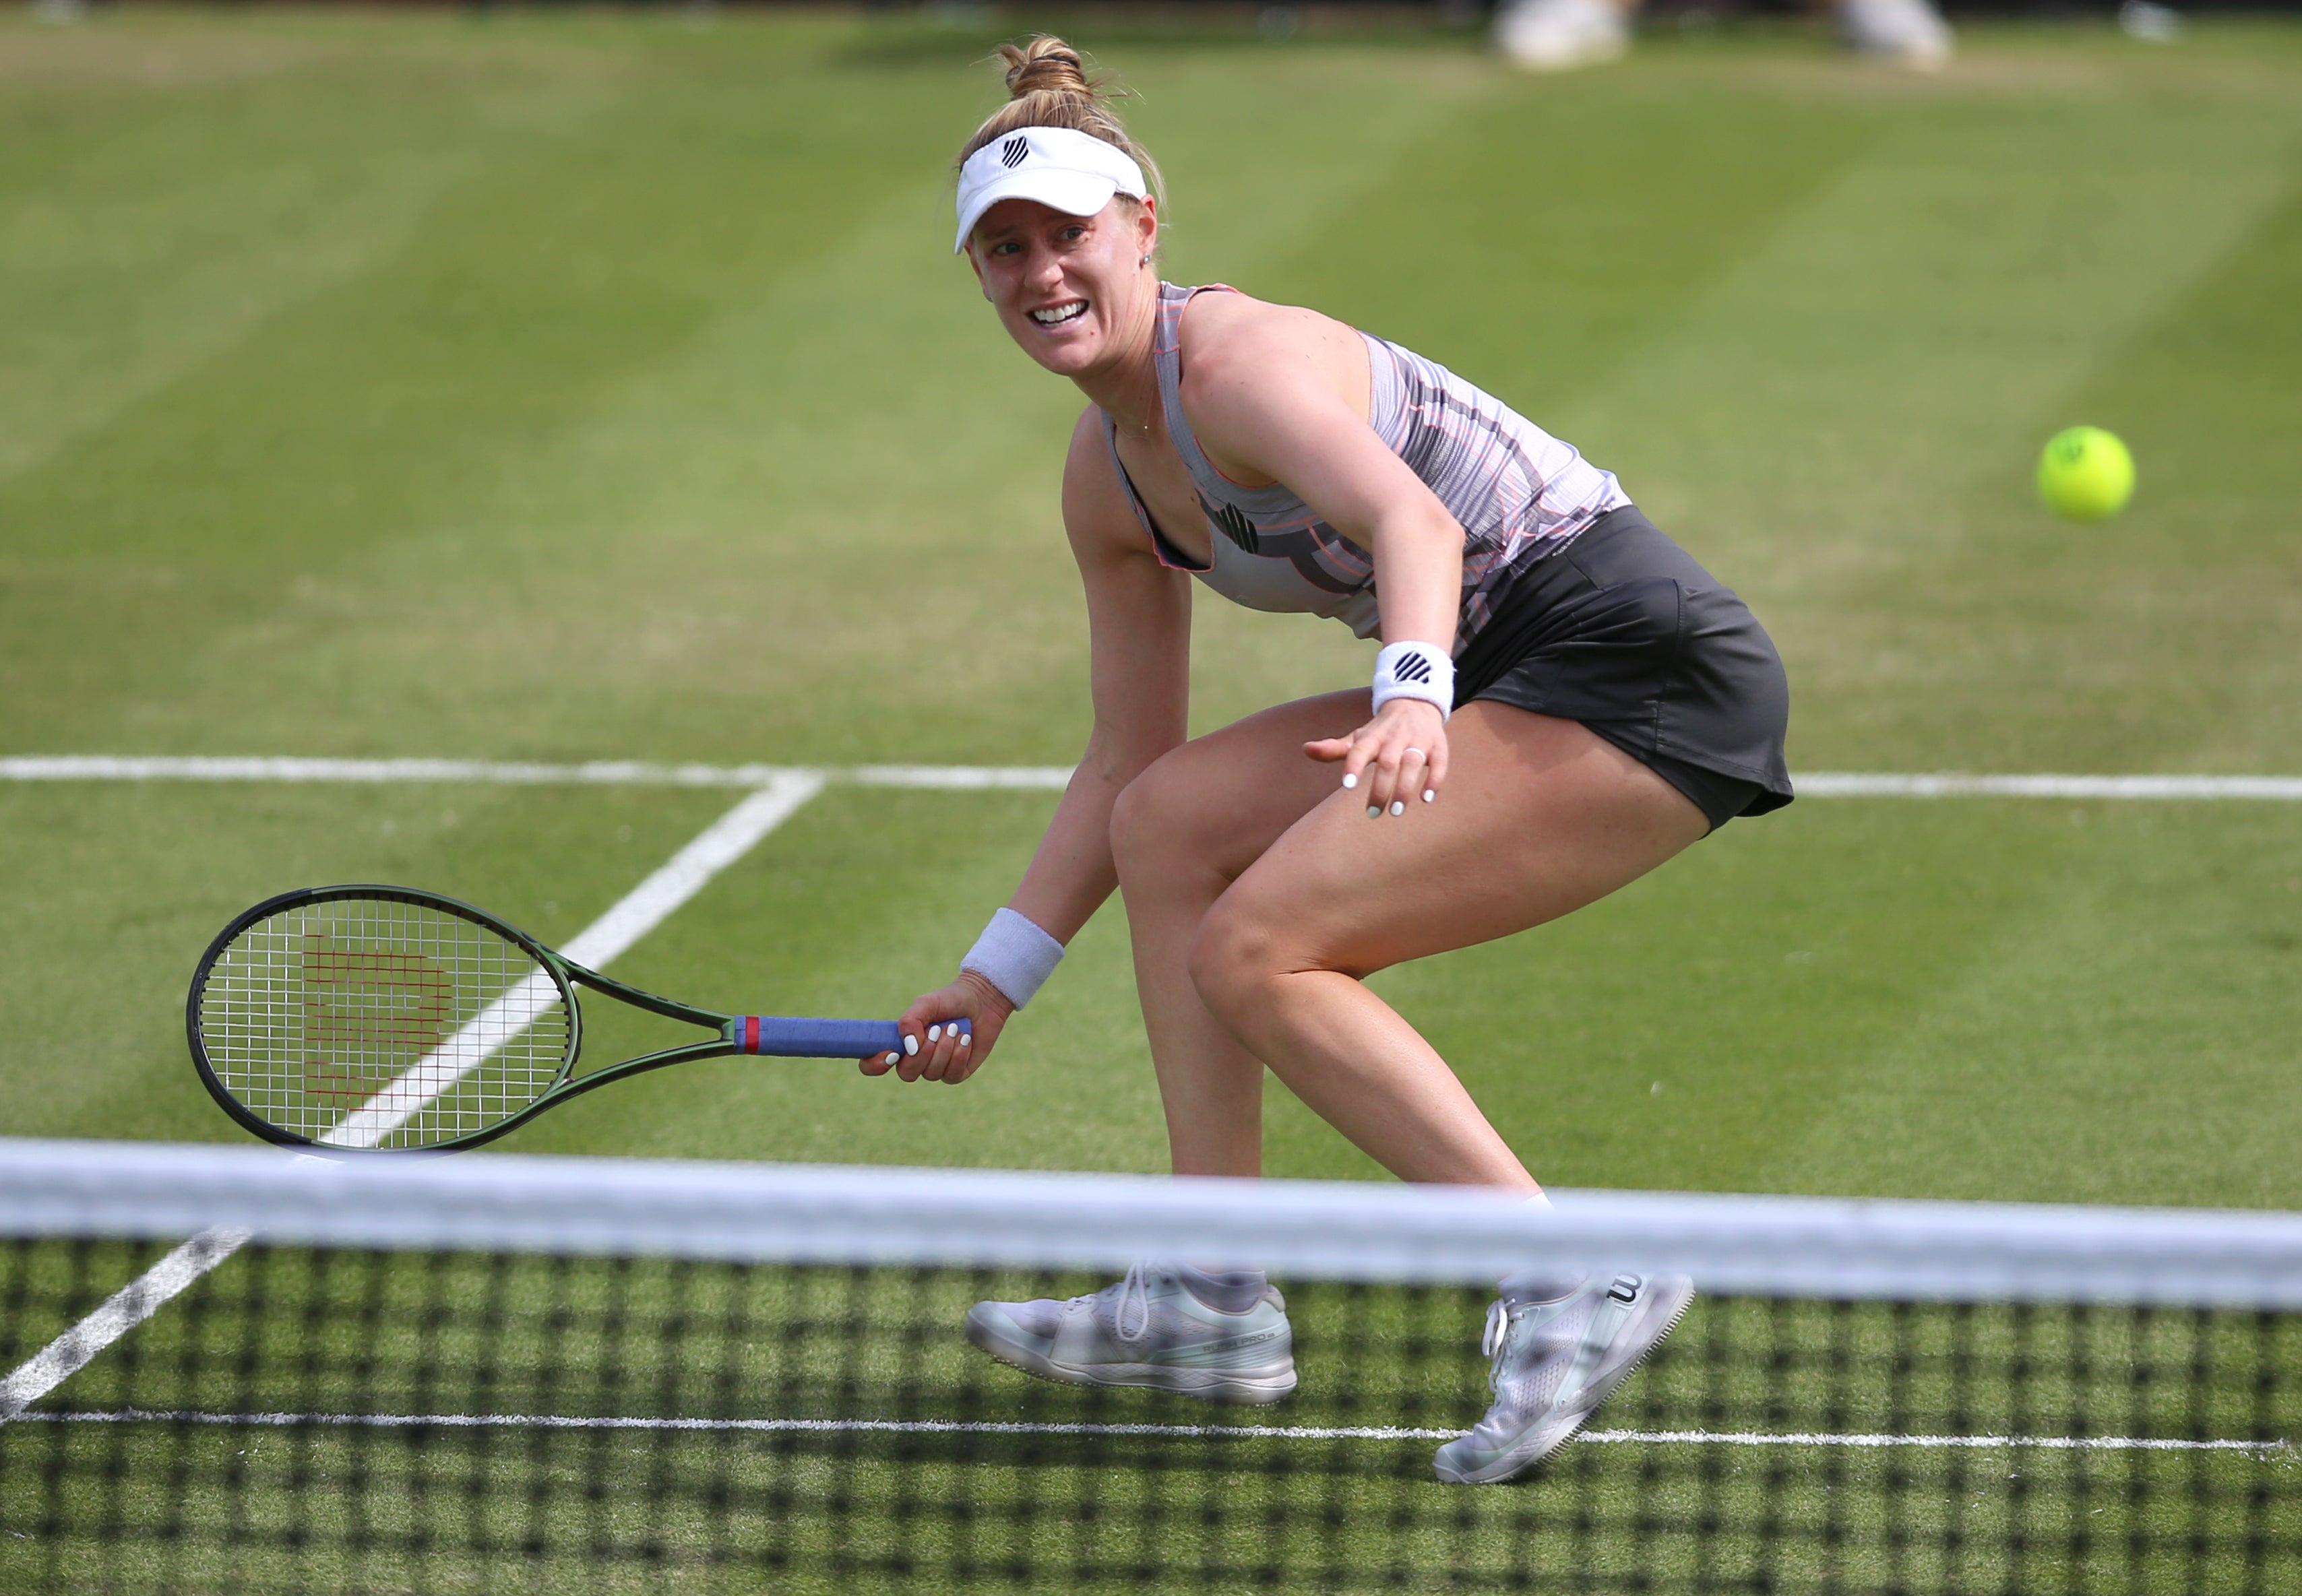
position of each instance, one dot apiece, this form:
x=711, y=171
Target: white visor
x=1074, y=172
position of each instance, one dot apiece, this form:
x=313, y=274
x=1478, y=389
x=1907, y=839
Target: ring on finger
x=1415, y=753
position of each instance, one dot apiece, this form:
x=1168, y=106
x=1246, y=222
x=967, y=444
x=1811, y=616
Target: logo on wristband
x=1414, y=670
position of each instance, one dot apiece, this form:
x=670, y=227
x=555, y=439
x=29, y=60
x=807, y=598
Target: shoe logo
x=1012, y=153
x=1236, y=1343
x=1411, y=667
x=1626, y=1289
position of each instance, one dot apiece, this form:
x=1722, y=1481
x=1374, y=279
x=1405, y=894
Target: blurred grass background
x=597, y=384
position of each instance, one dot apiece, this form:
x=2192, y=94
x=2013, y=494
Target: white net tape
x=1786, y=1247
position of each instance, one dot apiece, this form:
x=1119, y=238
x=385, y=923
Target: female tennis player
x=1563, y=700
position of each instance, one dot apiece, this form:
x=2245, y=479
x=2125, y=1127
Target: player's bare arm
x=1139, y=634
x=1279, y=394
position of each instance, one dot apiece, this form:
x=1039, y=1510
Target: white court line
x=1952, y=784
x=639, y=911
x=608, y=773
x=121, y=1311
x=1732, y=1437
x=1812, y=783
x=646, y=906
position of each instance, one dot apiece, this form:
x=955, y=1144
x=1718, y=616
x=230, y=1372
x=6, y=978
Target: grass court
x=560, y=387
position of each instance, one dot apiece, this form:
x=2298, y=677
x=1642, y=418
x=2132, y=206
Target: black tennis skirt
x=1621, y=631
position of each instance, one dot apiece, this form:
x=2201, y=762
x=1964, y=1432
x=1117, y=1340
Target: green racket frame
x=768, y=1035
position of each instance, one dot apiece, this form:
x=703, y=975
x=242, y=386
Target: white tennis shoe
x=1555, y=1362
x=1148, y=1330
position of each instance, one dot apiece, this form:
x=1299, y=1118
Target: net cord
x=1809, y=1247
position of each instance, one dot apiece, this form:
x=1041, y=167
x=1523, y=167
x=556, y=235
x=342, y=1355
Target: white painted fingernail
x=967, y=1038
x=1372, y=812
x=934, y=1031
x=1349, y=782
x=912, y=1045
x=1429, y=796
x=1397, y=807
x=894, y=1058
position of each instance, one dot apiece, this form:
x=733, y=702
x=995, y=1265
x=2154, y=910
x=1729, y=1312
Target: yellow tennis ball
x=2086, y=473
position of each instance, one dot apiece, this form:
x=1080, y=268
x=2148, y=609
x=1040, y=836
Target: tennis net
x=506, y=1374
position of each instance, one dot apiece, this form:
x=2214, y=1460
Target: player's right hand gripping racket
x=385, y=1018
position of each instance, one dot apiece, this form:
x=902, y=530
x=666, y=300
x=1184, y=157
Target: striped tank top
x=1518, y=493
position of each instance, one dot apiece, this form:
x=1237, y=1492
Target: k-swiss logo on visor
x=1012, y=153
x=1411, y=667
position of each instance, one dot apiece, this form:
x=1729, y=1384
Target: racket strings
x=377, y=1023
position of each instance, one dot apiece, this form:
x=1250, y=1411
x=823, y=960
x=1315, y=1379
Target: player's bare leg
x=1252, y=931
x=1182, y=834
x=1539, y=817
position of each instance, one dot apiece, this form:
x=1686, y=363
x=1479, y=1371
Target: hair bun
x=1047, y=66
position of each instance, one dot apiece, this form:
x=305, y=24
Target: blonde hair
x=1047, y=86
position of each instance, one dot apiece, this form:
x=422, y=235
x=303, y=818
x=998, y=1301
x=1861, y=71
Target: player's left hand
x=1397, y=759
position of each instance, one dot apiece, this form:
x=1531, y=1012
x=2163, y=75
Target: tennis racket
x=385, y=1018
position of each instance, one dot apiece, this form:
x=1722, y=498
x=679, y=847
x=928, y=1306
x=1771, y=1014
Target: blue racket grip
x=781, y=1038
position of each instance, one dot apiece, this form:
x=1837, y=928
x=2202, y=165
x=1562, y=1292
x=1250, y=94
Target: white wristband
x=1414, y=670
x=1014, y=955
